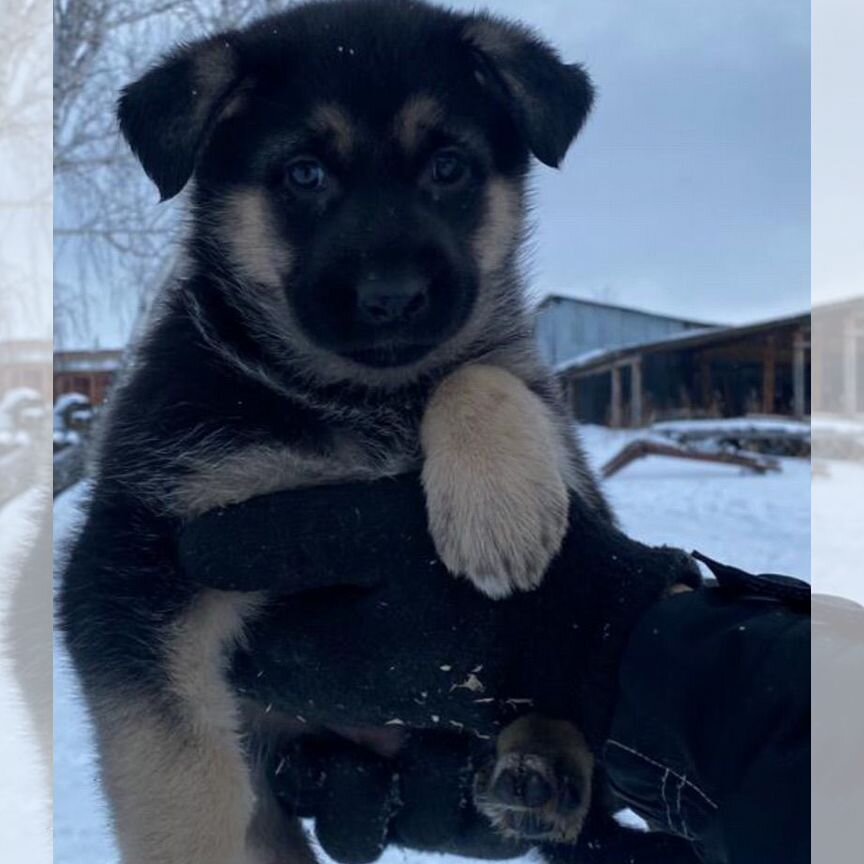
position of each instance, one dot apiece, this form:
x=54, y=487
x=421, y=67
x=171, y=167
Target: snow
x=838, y=542
x=829, y=424
x=757, y=522
x=24, y=794
x=18, y=405
x=66, y=439
x=731, y=425
x=69, y=409
x=11, y=440
x=18, y=397
x=69, y=400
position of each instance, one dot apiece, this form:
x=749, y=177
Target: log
x=646, y=447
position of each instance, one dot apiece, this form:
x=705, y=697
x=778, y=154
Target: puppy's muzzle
x=391, y=301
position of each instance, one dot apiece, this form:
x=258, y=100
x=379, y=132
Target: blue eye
x=307, y=174
x=448, y=168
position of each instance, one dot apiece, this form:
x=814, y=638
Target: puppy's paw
x=538, y=786
x=495, y=495
x=501, y=532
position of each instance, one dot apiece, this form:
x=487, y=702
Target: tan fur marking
x=243, y=475
x=499, y=232
x=215, y=66
x=198, y=651
x=214, y=72
x=493, y=37
x=255, y=471
x=176, y=799
x=333, y=121
x=180, y=788
x=495, y=495
x=501, y=41
x=247, y=228
x=419, y=114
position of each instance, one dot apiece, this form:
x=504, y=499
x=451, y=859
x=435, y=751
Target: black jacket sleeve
x=711, y=735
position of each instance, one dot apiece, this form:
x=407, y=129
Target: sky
x=688, y=192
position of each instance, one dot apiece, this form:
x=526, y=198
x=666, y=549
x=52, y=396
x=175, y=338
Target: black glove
x=368, y=627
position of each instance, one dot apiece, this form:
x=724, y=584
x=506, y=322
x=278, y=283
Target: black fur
x=232, y=363
x=414, y=46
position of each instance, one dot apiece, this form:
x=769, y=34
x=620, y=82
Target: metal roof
x=564, y=298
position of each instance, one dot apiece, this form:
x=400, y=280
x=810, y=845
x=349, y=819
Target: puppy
x=351, y=308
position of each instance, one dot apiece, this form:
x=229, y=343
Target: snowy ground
x=838, y=541
x=757, y=522
x=25, y=827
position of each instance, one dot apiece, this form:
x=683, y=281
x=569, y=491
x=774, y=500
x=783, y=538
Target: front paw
x=496, y=500
x=501, y=532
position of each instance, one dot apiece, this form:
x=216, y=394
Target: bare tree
x=113, y=243
x=25, y=162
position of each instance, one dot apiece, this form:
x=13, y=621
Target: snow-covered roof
x=87, y=361
x=598, y=355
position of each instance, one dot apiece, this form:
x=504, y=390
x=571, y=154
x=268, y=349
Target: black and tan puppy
x=352, y=306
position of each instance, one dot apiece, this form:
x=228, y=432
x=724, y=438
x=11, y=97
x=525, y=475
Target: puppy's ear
x=167, y=115
x=549, y=99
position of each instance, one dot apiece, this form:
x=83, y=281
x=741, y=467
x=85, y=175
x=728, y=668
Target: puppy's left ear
x=167, y=115
x=549, y=99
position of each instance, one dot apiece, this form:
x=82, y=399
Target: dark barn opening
x=722, y=372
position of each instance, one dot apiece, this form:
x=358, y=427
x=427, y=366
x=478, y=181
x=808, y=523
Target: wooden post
x=617, y=408
x=636, y=393
x=707, y=393
x=799, y=397
x=769, y=375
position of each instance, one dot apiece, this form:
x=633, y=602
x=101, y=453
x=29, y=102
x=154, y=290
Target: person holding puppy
x=690, y=700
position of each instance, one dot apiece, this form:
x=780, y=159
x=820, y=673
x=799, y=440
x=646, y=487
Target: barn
x=622, y=367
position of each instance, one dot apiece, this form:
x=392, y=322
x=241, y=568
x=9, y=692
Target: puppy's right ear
x=549, y=99
x=167, y=115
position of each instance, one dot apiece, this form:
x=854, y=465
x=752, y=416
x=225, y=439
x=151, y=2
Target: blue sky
x=689, y=190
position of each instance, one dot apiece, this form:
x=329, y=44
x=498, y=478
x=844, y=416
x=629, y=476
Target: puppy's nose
x=391, y=300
